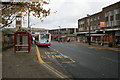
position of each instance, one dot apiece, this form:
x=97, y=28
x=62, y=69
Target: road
x=78, y=61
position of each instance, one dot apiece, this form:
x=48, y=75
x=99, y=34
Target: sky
x=68, y=12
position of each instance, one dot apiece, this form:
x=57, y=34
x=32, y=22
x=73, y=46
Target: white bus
x=43, y=39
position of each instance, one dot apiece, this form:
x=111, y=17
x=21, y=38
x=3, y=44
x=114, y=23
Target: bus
x=43, y=39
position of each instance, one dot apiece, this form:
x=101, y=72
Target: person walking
x=33, y=40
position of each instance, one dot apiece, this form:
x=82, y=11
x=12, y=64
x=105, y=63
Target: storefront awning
x=115, y=29
x=85, y=32
x=81, y=32
x=97, y=34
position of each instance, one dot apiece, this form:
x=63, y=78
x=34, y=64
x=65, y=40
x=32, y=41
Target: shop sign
x=102, y=24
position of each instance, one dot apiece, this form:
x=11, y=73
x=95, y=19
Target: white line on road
x=110, y=59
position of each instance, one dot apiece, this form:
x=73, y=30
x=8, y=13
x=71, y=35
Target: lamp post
x=89, y=40
x=29, y=28
x=59, y=33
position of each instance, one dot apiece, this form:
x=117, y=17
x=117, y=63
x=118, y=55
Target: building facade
x=63, y=34
x=112, y=22
x=103, y=26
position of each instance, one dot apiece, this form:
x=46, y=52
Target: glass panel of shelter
x=21, y=42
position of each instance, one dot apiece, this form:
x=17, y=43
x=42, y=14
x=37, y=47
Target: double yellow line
x=49, y=67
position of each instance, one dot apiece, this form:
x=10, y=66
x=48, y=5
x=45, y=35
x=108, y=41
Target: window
x=106, y=19
x=83, y=25
x=118, y=23
x=106, y=14
x=98, y=17
x=111, y=18
x=95, y=19
x=91, y=19
x=118, y=16
x=87, y=20
x=111, y=13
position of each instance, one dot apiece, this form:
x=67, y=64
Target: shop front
x=81, y=37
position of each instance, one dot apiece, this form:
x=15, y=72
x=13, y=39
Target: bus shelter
x=22, y=41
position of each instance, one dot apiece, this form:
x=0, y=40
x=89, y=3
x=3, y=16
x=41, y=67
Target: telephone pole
x=89, y=38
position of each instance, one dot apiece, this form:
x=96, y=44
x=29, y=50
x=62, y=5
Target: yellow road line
x=58, y=56
x=65, y=56
x=43, y=56
x=49, y=67
x=55, y=71
x=49, y=56
x=103, y=48
x=68, y=62
x=72, y=60
x=38, y=56
x=113, y=49
x=48, y=62
x=53, y=53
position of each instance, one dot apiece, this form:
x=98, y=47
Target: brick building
x=63, y=34
x=111, y=18
x=108, y=33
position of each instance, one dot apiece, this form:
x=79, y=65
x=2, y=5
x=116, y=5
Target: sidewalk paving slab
x=23, y=65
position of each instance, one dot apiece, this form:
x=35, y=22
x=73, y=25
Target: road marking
x=55, y=71
x=49, y=67
x=63, y=56
x=38, y=56
x=58, y=56
x=104, y=48
x=43, y=56
x=110, y=59
x=72, y=60
x=48, y=56
x=95, y=47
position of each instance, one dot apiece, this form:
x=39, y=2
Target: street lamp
x=59, y=33
x=89, y=40
x=29, y=28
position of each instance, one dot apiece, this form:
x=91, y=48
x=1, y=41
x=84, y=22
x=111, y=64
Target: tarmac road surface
x=77, y=61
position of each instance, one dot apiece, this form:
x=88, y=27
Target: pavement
x=23, y=65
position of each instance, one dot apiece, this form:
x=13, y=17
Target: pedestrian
x=117, y=42
x=102, y=43
x=68, y=40
x=33, y=40
x=99, y=42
